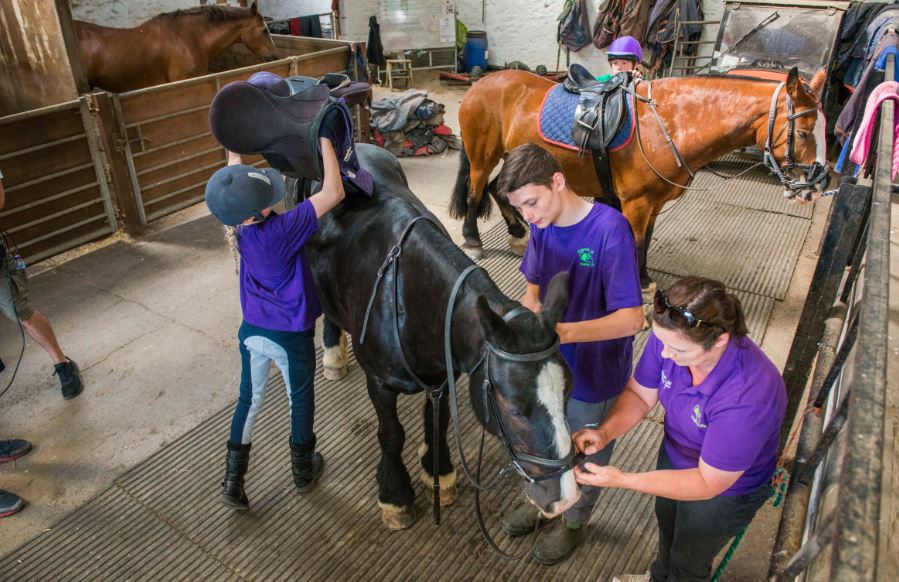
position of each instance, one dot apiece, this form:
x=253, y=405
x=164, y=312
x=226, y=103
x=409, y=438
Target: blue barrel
x=474, y=54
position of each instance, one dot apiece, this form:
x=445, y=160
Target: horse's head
x=792, y=138
x=256, y=36
x=522, y=396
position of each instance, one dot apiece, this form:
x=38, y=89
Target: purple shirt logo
x=697, y=417
x=586, y=257
x=666, y=382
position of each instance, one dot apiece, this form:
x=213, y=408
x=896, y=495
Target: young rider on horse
x=279, y=305
x=624, y=55
x=594, y=244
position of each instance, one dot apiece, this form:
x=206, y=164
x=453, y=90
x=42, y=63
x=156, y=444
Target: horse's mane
x=211, y=12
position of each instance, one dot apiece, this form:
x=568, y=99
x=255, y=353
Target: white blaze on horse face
x=550, y=393
x=820, y=145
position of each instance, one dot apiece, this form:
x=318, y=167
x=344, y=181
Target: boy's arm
x=624, y=322
x=233, y=158
x=531, y=298
x=332, y=186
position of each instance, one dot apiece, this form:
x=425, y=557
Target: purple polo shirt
x=599, y=255
x=732, y=419
x=276, y=287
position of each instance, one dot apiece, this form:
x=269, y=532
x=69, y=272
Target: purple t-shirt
x=599, y=255
x=276, y=287
x=732, y=419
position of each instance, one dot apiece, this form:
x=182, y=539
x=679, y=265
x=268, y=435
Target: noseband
x=812, y=174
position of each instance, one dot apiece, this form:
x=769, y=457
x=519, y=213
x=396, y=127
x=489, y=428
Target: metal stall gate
x=835, y=521
x=57, y=189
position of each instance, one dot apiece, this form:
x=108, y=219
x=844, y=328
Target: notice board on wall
x=416, y=24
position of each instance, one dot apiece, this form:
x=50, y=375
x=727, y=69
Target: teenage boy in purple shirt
x=724, y=403
x=279, y=305
x=593, y=243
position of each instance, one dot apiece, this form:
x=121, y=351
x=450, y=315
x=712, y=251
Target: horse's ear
x=817, y=82
x=495, y=329
x=556, y=299
x=254, y=10
x=793, y=83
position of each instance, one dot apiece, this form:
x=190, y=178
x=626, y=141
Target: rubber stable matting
x=162, y=520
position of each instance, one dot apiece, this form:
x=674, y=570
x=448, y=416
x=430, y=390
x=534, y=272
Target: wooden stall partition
x=57, y=194
x=166, y=143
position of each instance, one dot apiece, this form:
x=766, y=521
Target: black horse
x=527, y=380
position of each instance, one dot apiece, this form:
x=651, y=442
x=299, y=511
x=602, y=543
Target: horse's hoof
x=649, y=293
x=447, y=488
x=447, y=482
x=475, y=253
x=396, y=517
x=518, y=244
x=335, y=373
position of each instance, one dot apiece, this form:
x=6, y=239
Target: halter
x=517, y=459
x=814, y=174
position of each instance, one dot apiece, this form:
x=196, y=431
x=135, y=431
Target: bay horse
x=417, y=307
x=706, y=117
x=168, y=47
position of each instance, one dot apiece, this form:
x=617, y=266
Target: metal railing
x=830, y=525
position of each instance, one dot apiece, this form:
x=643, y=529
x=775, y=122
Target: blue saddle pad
x=557, y=116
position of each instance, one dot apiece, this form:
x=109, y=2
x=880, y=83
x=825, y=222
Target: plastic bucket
x=474, y=54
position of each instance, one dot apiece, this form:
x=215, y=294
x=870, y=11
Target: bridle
x=518, y=460
x=814, y=174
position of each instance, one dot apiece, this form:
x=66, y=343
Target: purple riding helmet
x=625, y=47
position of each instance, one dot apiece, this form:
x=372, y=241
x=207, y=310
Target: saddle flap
x=598, y=118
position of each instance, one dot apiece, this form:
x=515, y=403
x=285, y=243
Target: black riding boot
x=236, y=464
x=306, y=464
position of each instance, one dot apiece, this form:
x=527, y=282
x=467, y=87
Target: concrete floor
x=152, y=321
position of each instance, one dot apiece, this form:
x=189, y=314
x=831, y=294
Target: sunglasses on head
x=676, y=312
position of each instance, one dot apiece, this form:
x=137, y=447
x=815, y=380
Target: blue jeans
x=691, y=533
x=294, y=354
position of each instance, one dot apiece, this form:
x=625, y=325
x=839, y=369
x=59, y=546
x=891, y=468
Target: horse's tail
x=458, y=207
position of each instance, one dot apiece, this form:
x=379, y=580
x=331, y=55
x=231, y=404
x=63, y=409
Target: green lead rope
x=778, y=489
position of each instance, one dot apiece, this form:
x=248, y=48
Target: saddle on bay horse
x=282, y=118
x=600, y=115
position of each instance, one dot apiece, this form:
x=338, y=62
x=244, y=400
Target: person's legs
x=567, y=533
x=15, y=306
x=11, y=450
x=579, y=415
x=702, y=528
x=666, y=515
x=39, y=328
x=253, y=381
x=295, y=357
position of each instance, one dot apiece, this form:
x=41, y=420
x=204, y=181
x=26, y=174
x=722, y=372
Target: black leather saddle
x=282, y=121
x=600, y=114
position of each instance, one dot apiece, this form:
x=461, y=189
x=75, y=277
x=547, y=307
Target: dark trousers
x=294, y=354
x=691, y=533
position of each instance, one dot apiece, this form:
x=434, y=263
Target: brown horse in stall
x=168, y=47
x=706, y=117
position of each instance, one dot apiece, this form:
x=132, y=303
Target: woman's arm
x=629, y=409
x=703, y=482
x=332, y=191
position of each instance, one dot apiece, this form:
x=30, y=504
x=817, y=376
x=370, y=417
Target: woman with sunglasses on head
x=724, y=402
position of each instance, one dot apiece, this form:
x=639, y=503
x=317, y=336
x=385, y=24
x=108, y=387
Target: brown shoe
x=555, y=545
